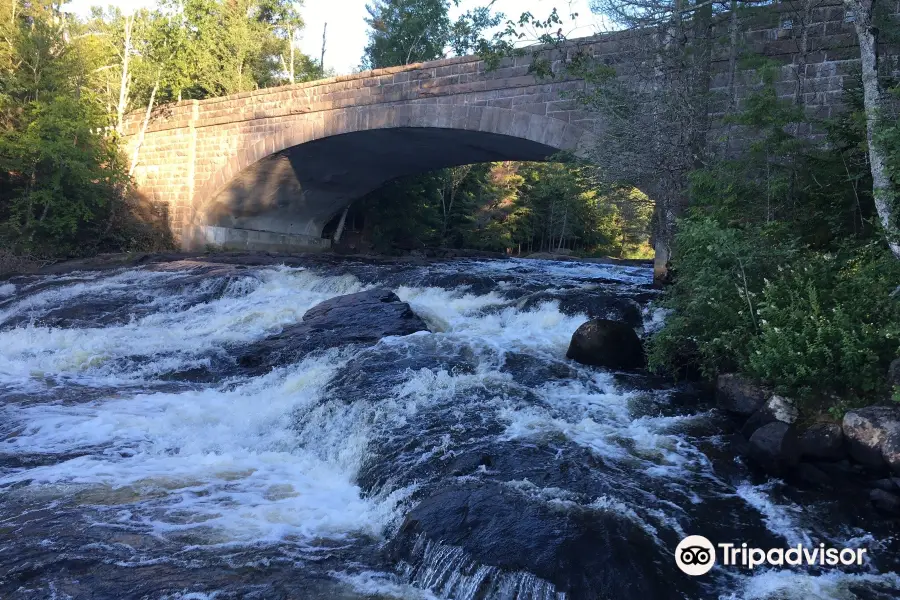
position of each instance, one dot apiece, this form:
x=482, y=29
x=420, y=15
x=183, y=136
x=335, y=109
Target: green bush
x=829, y=324
x=719, y=277
x=780, y=271
x=814, y=325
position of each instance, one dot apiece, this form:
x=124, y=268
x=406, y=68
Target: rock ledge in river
x=361, y=318
x=586, y=554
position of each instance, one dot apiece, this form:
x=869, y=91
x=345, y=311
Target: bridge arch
x=283, y=189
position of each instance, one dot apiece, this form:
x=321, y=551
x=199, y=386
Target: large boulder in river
x=585, y=553
x=605, y=343
x=740, y=395
x=873, y=436
x=361, y=318
x=775, y=447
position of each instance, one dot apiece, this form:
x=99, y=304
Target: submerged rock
x=605, y=343
x=873, y=436
x=361, y=318
x=740, y=395
x=583, y=552
x=775, y=447
x=885, y=501
x=823, y=441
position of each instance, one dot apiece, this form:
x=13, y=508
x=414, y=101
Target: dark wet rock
x=740, y=395
x=470, y=463
x=473, y=283
x=775, y=447
x=592, y=304
x=844, y=470
x=605, y=343
x=361, y=318
x=813, y=475
x=823, y=441
x=584, y=553
x=532, y=370
x=887, y=484
x=894, y=373
x=873, y=436
x=737, y=444
x=776, y=408
x=885, y=501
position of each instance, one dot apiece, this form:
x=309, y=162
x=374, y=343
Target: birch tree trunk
x=291, y=43
x=123, y=83
x=140, y=141
x=882, y=187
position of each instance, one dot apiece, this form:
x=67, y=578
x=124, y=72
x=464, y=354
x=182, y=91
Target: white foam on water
x=229, y=461
x=7, y=289
x=542, y=330
x=570, y=269
x=126, y=282
x=607, y=504
x=164, y=341
x=382, y=585
x=597, y=414
x=780, y=519
x=791, y=585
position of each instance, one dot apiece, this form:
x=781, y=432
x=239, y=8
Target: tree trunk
x=123, y=84
x=291, y=42
x=882, y=188
x=562, y=231
x=140, y=141
x=322, y=56
x=340, y=228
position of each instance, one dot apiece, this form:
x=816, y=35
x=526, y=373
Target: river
x=138, y=460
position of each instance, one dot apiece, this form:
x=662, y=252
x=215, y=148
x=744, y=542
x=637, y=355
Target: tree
x=883, y=188
x=406, y=31
x=61, y=177
x=285, y=22
x=409, y=31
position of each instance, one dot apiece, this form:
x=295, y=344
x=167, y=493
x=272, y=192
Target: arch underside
x=298, y=190
x=283, y=189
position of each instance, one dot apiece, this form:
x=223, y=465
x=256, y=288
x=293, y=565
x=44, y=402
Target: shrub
x=829, y=324
x=719, y=273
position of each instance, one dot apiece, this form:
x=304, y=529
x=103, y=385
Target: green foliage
x=409, y=31
x=64, y=189
x=720, y=272
x=779, y=272
x=406, y=31
x=517, y=207
x=830, y=324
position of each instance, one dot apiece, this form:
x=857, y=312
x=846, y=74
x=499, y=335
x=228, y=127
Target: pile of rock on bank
x=864, y=448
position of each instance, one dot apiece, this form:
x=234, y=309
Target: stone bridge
x=268, y=169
